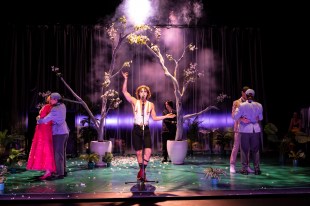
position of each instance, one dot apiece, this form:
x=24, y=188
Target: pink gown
x=41, y=156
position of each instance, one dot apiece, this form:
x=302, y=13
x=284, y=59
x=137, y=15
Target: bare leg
x=147, y=155
x=139, y=156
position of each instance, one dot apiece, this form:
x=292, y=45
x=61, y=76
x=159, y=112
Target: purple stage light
x=126, y=121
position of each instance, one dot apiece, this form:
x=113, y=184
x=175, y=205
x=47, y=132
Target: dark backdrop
x=284, y=38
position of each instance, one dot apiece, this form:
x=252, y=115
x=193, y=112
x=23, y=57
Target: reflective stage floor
x=173, y=184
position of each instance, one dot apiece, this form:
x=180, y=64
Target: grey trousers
x=250, y=142
x=60, y=145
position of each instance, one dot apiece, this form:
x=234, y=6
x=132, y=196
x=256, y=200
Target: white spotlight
x=138, y=11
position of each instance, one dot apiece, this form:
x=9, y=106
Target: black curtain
x=230, y=57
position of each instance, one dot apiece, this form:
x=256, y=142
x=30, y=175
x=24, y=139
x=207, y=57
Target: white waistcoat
x=138, y=113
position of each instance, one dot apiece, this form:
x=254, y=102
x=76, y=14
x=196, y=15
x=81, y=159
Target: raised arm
x=129, y=98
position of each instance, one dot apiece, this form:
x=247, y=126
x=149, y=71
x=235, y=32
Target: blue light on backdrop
x=126, y=121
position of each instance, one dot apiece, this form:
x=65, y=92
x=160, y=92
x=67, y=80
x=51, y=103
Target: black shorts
x=137, y=136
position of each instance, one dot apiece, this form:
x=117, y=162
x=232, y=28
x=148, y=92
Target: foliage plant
x=16, y=158
x=3, y=173
x=193, y=131
x=286, y=145
x=3, y=141
x=271, y=131
x=108, y=157
x=214, y=173
x=297, y=155
x=92, y=157
x=88, y=133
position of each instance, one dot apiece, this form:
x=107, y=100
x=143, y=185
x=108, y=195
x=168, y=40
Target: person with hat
x=142, y=110
x=60, y=133
x=250, y=131
x=236, y=145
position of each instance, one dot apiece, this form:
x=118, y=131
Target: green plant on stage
x=108, y=157
x=3, y=172
x=214, y=173
x=271, y=131
x=192, y=132
x=16, y=158
x=296, y=155
x=223, y=136
x=92, y=157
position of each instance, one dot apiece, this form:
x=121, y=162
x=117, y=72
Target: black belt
x=141, y=126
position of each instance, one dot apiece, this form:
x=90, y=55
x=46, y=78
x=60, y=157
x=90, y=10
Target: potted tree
x=177, y=148
x=115, y=35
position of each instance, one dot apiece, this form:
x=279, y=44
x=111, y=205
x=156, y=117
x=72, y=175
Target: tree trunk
x=179, y=109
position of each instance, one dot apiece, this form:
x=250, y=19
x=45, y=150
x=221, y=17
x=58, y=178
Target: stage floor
x=177, y=182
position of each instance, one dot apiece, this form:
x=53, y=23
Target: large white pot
x=177, y=151
x=100, y=148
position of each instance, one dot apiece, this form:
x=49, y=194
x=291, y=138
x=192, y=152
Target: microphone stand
x=140, y=186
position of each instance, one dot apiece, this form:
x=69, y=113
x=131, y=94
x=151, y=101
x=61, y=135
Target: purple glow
x=126, y=121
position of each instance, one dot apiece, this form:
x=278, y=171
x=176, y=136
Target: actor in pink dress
x=41, y=156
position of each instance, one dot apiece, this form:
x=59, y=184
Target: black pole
x=143, y=145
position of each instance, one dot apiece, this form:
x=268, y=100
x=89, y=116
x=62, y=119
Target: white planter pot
x=100, y=148
x=177, y=151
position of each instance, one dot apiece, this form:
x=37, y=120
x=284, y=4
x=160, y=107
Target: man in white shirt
x=236, y=146
x=250, y=132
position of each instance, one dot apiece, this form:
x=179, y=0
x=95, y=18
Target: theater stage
x=185, y=184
